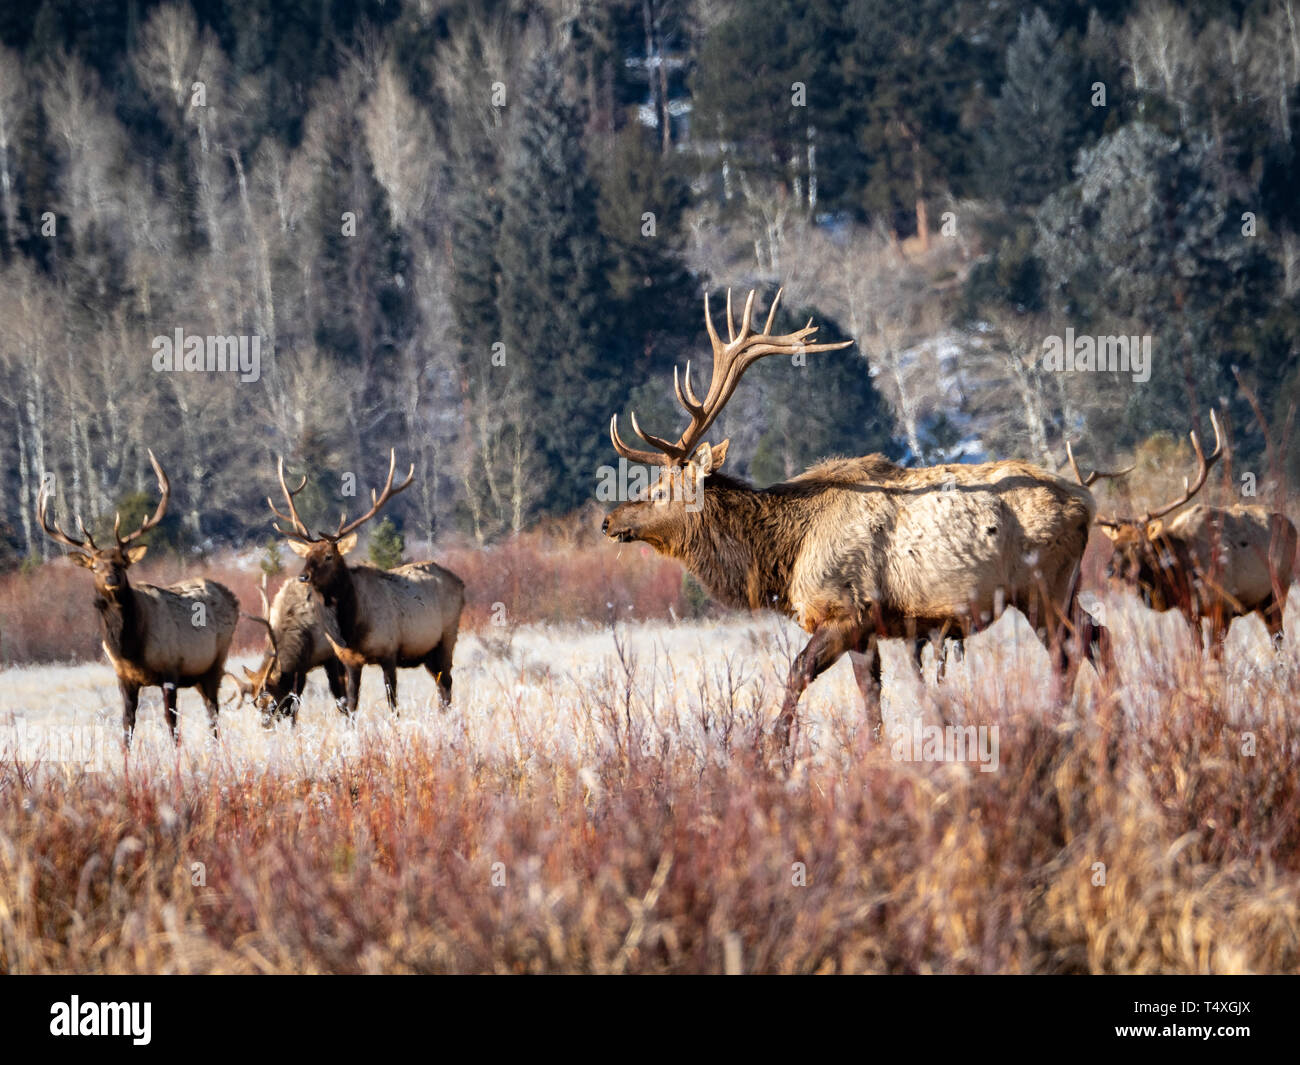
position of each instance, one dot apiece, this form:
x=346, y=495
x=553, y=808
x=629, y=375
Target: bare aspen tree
x=13, y=105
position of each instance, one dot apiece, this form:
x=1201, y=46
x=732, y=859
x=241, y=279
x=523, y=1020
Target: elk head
x=1142, y=558
x=262, y=685
x=661, y=515
x=323, y=565
x=108, y=565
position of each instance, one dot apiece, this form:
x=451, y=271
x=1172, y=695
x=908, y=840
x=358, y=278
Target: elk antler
x=730, y=360
x=165, y=487
x=86, y=545
x=1202, y=471
x=301, y=532
x=53, y=531
x=275, y=650
x=376, y=502
x=1095, y=475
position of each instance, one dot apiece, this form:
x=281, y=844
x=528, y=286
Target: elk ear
x=1154, y=528
x=1112, y=532
x=84, y=561
x=134, y=554
x=708, y=458
x=299, y=548
x=347, y=543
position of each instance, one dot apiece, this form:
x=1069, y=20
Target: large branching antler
x=1202, y=471
x=730, y=360
x=300, y=531
x=165, y=487
x=86, y=545
x=1095, y=475
x=54, y=531
x=377, y=501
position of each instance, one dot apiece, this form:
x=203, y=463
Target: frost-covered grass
x=601, y=799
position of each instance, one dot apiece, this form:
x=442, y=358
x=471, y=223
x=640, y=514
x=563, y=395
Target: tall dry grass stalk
x=622, y=813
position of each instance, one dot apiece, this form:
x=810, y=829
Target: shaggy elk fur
x=295, y=622
x=154, y=637
x=1210, y=563
x=856, y=550
x=407, y=617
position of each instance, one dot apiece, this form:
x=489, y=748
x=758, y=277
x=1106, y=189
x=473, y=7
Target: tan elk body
x=405, y=617
x=170, y=638
x=1210, y=563
x=402, y=613
x=1245, y=552
x=859, y=549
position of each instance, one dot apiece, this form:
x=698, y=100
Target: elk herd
x=856, y=551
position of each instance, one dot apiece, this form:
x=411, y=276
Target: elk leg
x=1218, y=634
x=822, y=651
x=334, y=676
x=353, y=685
x=438, y=663
x=130, y=700
x=390, y=684
x=209, y=688
x=172, y=713
x=1083, y=637
x=1097, y=645
x=866, y=671
x=1271, y=611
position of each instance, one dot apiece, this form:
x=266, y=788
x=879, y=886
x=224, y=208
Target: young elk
x=170, y=638
x=857, y=550
x=404, y=617
x=295, y=624
x=1210, y=563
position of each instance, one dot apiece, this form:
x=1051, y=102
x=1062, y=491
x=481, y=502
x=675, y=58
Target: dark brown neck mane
x=742, y=543
x=120, y=621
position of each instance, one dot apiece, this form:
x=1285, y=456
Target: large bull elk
x=1209, y=563
x=169, y=638
x=406, y=617
x=857, y=550
x=295, y=624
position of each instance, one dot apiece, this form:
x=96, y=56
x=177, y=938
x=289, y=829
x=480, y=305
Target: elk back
x=404, y=612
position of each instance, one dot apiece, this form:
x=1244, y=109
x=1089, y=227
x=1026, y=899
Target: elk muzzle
x=617, y=526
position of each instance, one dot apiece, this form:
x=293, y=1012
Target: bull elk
x=295, y=625
x=857, y=550
x=1210, y=563
x=406, y=617
x=169, y=638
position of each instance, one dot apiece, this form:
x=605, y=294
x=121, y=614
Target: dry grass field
x=605, y=799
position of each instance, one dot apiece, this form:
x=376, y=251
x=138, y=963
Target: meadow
x=605, y=797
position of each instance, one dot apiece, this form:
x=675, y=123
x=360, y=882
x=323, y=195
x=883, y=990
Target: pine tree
x=387, y=545
x=555, y=301
x=643, y=204
x=1037, y=125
